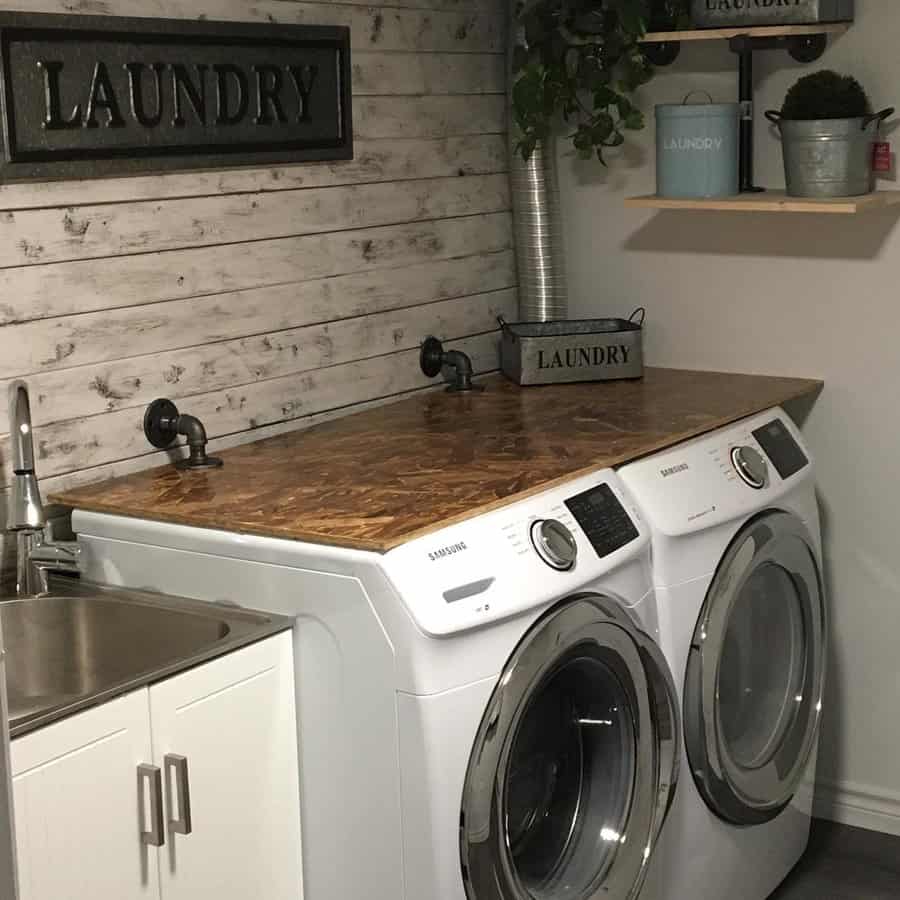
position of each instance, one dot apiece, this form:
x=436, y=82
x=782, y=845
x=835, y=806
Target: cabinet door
x=77, y=807
x=228, y=732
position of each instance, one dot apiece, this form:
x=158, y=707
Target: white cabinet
x=223, y=739
x=76, y=804
x=234, y=724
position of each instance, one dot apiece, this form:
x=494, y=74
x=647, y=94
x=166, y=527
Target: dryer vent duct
x=537, y=218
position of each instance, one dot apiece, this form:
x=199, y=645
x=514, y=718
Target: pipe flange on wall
x=433, y=358
x=162, y=426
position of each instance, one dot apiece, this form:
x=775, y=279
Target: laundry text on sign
x=220, y=94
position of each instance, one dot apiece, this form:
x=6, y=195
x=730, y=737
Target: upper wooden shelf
x=719, y=34
x=773, y=201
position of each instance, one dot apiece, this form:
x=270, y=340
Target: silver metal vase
x=537, y=219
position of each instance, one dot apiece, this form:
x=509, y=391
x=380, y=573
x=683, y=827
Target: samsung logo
x=674, y=470
x=450, y=550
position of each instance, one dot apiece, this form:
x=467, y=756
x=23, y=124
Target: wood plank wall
x=267, y=299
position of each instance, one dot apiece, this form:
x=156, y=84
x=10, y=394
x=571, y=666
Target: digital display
x=603, y=519
x=781, y=448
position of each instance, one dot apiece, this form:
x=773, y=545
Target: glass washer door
x=574, y=764
x=755, y=673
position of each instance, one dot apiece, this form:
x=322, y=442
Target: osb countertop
x=378, y=478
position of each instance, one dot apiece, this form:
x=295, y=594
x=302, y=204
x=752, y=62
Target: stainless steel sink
x=87, y=644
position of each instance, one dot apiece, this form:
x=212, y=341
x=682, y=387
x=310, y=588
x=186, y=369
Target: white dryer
x=738, y=575
x=482, y=713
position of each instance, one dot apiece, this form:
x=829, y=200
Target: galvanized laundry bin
x=697, y=149
x=828, y=157
x=567, y=351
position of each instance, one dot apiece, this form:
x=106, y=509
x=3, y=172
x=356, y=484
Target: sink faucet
x=37, y=554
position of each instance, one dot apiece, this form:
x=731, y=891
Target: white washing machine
x=737, y=570
x=482, y=713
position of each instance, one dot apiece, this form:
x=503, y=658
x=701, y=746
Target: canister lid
x=694, y=110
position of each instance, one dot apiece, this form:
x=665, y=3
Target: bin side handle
x=775, y=117
x=638, y=316
x=877, y=117
x=688, y=96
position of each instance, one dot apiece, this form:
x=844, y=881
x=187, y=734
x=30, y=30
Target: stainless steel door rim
x=592, y=855
x=750, y=780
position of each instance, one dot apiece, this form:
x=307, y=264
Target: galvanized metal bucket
x=829, y=157
x=573, y=350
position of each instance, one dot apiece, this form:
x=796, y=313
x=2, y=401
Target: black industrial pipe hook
x=433, y=358
x=162, y=425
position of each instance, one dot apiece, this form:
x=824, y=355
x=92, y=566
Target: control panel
x=603, y=519
x=781, y=448
x=535, y=551
x=719, y=476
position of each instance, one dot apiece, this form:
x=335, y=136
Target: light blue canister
x=697, y=149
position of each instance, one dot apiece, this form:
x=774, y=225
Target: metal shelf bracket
x=804, y=48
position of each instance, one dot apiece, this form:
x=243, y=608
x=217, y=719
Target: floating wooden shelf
x=773, y=201
x=764, y=31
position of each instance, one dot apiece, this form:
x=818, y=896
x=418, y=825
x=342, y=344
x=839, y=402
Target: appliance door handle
x=177, y=766
x=151, y=776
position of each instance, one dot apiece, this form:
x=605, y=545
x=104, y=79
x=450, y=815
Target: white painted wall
x=791, y=295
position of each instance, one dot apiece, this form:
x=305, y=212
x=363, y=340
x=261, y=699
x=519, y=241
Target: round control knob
x=554, y=543
x=751, y=466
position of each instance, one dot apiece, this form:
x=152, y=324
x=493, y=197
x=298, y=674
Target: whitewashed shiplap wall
x=267, y=299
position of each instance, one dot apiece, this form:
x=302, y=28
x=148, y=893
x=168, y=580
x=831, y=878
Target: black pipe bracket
x=803, y=48
x=162, y=426
x=433, y=358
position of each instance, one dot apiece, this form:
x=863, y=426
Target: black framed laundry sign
x=87, y=96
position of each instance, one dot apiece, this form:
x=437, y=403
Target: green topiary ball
x=826, y=95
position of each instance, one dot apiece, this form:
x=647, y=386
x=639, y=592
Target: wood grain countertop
x=378, y=478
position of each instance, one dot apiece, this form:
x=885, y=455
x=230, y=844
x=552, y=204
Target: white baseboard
x=861, y=806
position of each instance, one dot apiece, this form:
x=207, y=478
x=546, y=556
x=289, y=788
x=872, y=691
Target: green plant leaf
x=519, y=58
x=623, y=106
x=526, y=147
x=633, y=16
x=602, y=128
x=606, y=97
x=582, y=61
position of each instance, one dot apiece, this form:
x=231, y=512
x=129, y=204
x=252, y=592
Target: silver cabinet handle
x=178, y=765
x=152, y=776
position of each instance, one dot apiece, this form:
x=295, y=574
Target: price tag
x=882, y=158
